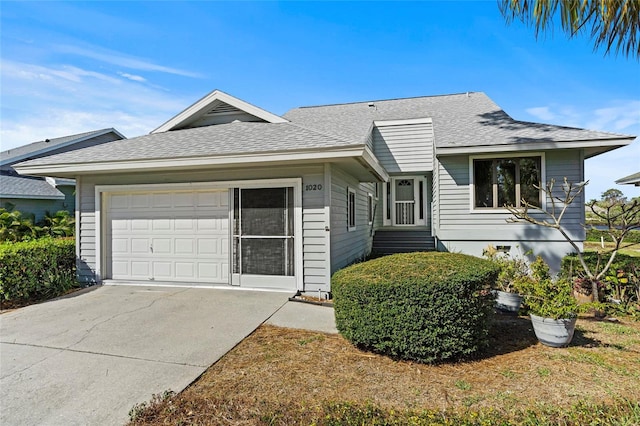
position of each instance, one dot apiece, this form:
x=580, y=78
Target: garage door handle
x=151, y=248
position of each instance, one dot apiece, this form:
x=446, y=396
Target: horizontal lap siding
x=313, y=216
x=313, y=228
x=348, y=246
x=458, y=222
x=404, y=148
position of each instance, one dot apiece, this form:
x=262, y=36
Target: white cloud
x=618, y=116
x=41, y=102
x=543, y=113
x=132, y=77
x=121, y=60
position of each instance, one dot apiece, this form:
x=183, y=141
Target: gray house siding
x=313, y=226
x=348, y=246
x=404, y=148
x=32, y=208
x=462, y=229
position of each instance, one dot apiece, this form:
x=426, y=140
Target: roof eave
x=33, y=196
x=592, y=147
x=75, y=169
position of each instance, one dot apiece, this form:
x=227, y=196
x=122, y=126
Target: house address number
x=313, y=187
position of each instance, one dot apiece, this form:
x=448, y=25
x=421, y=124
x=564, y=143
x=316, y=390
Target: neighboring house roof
x=463, y=123
x=45, y=147
x=28, y=187
x=222, y=130
x=13, y=185
x=633, y=179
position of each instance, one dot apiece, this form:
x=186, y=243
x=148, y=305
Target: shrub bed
x=571, y=266
x=595, y=234
x=37, y=270
x=425, y=307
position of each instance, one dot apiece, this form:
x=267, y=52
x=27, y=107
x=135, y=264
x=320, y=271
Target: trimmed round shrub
x=426, y=307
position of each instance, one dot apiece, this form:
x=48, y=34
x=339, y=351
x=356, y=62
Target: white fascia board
x=372, y=162
x=58, y=146
x=533, y=146
x=383, y=123
x=198, y=108
x=190, y=162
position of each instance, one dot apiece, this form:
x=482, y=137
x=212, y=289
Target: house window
x=500, y=182
x=388, y=201
x=370, y=207
x=351, y=209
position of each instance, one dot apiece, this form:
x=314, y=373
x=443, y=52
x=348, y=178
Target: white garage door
x=168, y=236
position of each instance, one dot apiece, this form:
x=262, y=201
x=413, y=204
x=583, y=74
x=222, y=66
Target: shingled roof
x=461, y=120
x=221, y=139
x=12, y=186
x=48, y=146
x=467, y=120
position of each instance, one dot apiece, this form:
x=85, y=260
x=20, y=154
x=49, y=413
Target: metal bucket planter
x=508, y=302
x=556, y=333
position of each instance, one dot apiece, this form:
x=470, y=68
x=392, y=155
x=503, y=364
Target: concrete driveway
x=88, y=359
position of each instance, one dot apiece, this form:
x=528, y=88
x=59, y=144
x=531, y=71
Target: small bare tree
x=618, y=215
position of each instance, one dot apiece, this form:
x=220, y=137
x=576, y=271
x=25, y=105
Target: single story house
x=227, y=193
x=35, y=196
x=633, y=179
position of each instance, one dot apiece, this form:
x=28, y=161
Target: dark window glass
x=483, y=182
x=506, y=180
x=351, y=209
x=529, y=179
x=421, y=199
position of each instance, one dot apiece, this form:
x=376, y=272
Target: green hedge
x=37, y=270
x=426, y=307
x=571, y=266
x=595, y=234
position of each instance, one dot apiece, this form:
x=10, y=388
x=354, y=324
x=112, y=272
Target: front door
x=263, y=250
x=405, y=201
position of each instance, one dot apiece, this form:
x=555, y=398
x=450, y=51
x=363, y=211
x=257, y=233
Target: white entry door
x=168, y=236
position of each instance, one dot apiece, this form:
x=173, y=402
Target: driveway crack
x=88, y=331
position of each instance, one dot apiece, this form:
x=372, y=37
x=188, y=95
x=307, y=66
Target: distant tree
x=614, y=24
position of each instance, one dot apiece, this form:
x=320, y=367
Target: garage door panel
x=169, y=236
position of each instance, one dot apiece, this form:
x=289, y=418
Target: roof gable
x=218, y=108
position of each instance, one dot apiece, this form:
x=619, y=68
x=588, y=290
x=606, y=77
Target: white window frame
x=370, y=208
x=501, y=210
x=350, y=214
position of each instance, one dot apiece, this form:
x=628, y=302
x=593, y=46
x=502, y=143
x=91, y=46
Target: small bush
x=426, y=307
x=37, y=270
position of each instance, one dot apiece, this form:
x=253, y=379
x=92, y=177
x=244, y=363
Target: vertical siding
x=404, y=148
x=348, y=246
x=313, y=217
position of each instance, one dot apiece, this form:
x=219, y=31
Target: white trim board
x=201, y=106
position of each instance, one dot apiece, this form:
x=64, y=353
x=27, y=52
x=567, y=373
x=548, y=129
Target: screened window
x=503, y=182
x=351, y=209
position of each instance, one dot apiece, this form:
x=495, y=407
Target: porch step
x=392, y=241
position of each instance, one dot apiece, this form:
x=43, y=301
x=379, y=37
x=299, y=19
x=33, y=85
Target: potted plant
x=552, y=307
x=514, y=273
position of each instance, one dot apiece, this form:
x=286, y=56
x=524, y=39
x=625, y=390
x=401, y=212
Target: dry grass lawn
x=287, y=371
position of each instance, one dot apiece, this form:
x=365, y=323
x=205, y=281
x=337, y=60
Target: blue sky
x=76, y=66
